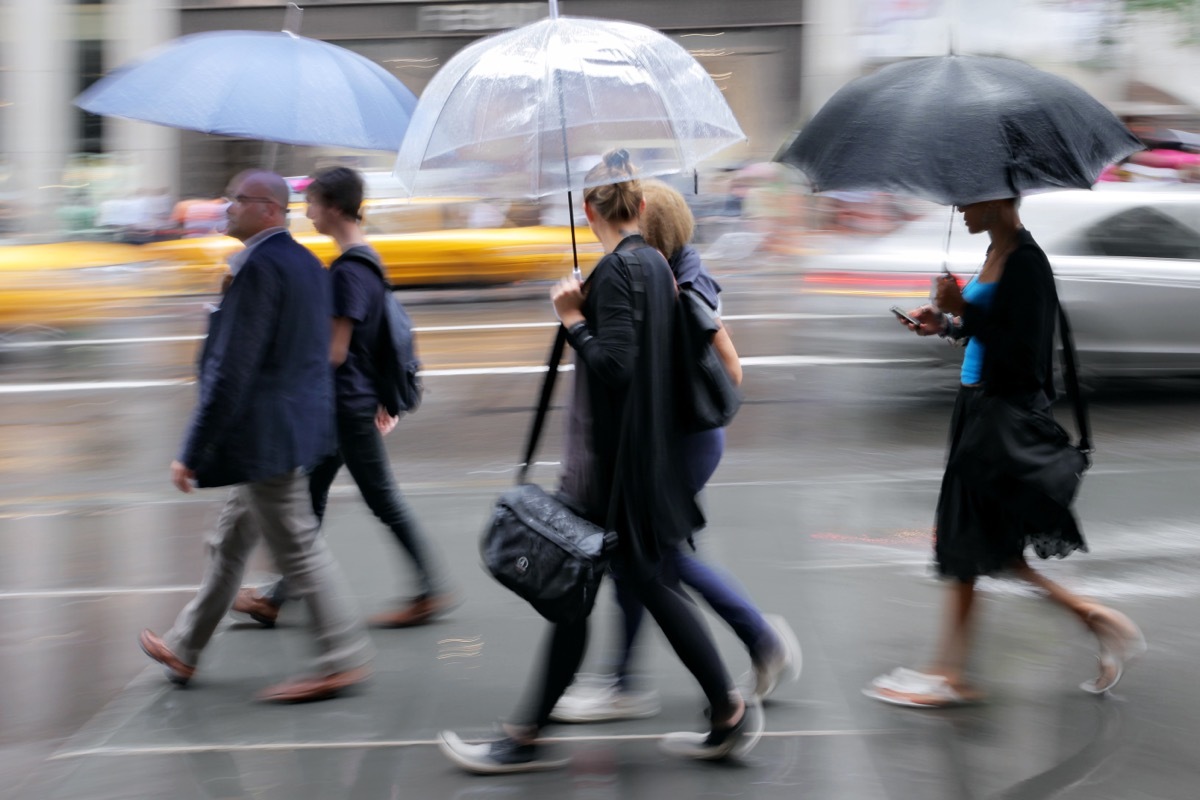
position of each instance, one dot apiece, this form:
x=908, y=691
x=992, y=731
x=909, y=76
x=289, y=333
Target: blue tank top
x=977, y=294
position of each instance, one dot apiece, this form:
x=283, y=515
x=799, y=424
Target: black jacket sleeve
x=607, y=342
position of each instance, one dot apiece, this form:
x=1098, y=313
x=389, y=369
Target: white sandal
x=891, y=687
x=1121, y=642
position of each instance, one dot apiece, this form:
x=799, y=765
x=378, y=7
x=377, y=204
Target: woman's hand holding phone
x=925, y=321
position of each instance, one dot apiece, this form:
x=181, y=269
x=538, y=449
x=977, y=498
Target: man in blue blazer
x=264, y=418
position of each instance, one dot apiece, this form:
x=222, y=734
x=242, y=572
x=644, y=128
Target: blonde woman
x=667, y=225
x=620, y=362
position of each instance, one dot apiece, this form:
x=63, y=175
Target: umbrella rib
x=437, y=119
x=659, y=96
x=562, y=119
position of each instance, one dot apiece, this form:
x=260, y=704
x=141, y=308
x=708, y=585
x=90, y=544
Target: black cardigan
x=658, y=509
x=1017, y=330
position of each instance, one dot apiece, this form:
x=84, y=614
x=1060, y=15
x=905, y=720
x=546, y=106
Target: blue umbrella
x=273, y=86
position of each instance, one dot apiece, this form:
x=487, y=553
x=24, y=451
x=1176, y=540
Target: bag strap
x=539, y=417
x=556, y=351
x=1071, y=381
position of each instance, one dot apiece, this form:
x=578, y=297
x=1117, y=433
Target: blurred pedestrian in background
x=264, y=418
x=335, y=198
x=667, y=226
x=1007, y=313
x=621, y=361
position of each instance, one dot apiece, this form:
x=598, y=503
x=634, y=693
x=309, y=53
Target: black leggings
x=679, y=621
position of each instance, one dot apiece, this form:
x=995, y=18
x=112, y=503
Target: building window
x=91, y=68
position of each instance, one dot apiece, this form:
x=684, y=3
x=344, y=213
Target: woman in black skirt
x=1011, y=472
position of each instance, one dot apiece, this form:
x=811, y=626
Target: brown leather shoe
x=259, y=608
x=419, y=611
x=153, y=646
x=310, y=689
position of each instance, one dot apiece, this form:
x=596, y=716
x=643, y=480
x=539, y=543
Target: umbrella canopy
x=537, y=101
x=277, y=87
x=958, y=130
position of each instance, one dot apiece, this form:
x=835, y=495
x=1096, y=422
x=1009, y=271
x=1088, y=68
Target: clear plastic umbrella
x=539, y=102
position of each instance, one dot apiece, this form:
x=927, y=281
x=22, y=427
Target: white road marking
x=498, y=326
x=103, y=591
x=375, y=744
x=89, y=386
x=822, y=361
x=449, y=372
x=98, y=342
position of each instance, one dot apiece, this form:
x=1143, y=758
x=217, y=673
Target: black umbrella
x=958, y=130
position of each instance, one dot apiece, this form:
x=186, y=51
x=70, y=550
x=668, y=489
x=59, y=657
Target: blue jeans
x=361, y=449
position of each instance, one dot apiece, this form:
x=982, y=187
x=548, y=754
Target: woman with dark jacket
x=667, y=225
x=1011, y=472
x=619, y=323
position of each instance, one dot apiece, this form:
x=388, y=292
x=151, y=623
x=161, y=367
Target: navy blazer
x=266, y=402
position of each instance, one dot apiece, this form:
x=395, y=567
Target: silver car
x=1126, y=258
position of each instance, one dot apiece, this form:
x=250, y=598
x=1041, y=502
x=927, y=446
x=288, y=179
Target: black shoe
x=732, y=742
x=498, y=757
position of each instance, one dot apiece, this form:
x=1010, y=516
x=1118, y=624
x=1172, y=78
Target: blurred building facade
x=753, y=50
x=51, y=153
x=776, y=60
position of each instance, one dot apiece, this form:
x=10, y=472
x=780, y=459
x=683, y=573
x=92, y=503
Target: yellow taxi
x=71, y=282
x=421, y=242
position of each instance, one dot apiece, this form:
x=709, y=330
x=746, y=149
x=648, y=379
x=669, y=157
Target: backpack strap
x=355, y=254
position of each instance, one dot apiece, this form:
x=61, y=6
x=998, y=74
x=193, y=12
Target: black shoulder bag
x=1015, y=442
x=708, y=397
x=535, y=544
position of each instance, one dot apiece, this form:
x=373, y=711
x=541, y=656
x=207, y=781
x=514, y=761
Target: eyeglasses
x=243, y=199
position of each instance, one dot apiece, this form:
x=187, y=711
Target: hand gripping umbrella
x=958, y=130
x=522, y=112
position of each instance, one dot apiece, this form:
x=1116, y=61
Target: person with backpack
x=619, y=324
x=667, y=225
x=360, y=349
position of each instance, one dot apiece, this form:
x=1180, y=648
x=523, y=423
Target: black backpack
x=398, y=368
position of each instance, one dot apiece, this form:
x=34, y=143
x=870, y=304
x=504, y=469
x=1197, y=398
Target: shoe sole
x=175, y=677
x=447, y=748
x=383, y=624
x=736, y=750
x=893, y=700
x=266, y=622
x=791, y=643
x=793, y=664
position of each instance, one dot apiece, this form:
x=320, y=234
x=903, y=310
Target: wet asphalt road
x=821, y=508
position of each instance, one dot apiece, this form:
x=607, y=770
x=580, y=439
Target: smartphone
x=900, y=313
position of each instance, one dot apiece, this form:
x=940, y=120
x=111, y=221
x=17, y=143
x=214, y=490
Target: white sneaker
x=587, y=700
x=784, y=664
x=716, y=745
x=499, y=757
